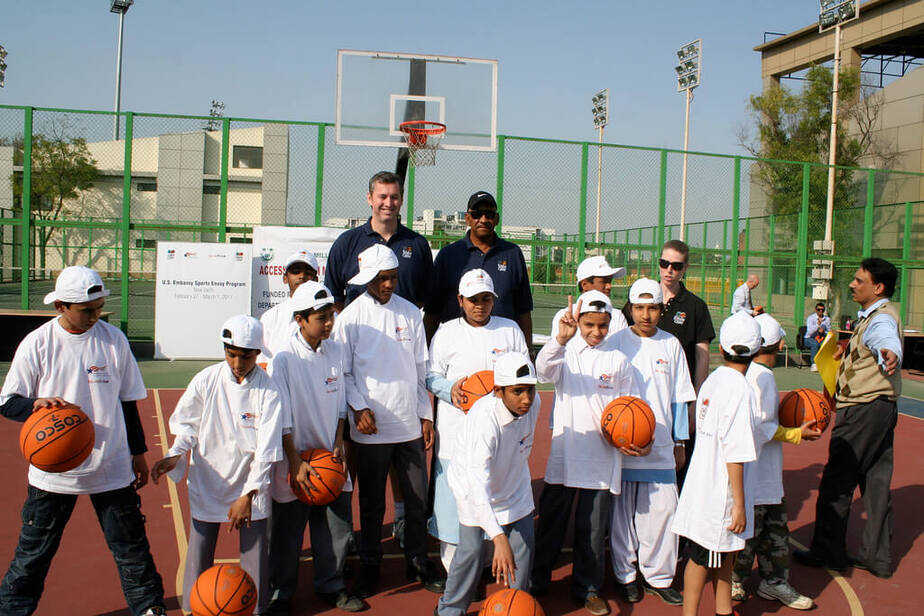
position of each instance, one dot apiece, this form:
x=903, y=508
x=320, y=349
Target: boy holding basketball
x=230, y=420
x=486, y=338
x=643, y=511
x=489, y=476
x=588, y=372
x=308, y=370
x=85, y=361
x=716, y=511
x=770, y=542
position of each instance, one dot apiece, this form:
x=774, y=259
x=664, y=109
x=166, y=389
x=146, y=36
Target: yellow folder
x=827, y=365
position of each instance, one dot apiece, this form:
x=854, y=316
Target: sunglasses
x=677, y=266
x=481, y=213
x=819, y=309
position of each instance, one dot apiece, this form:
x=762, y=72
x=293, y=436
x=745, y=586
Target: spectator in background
x=741, y=300
x=816, y=326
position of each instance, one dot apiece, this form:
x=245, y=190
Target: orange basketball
x=327, y=487
x=626, y=420
x=478, y=385
x=511, y=602
x=57, y=438
x=801, y=405
x=221, y=590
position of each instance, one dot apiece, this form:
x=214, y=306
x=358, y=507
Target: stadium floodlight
x=2, y=65
x=121, y=7
x=601, y=103
x=689, y=73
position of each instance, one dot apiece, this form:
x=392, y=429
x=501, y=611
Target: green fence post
x=798, y=312
x=499, y=190
x=26, y=222
x=638, y=255
x=582, y=213
x=126, y=220
x=736, y=222
x=662, y=202
x=223, y=198
x=868, y=214
x=319, y=175
x=771, y=245
x=532, y=259
x=747, y=245
x=906, y=254
x=702, y=266
x=723, y=291
x=409, y=190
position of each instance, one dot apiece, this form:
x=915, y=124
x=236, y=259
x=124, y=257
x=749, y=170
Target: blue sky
x=277, y=60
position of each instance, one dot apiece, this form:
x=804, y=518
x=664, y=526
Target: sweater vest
x=859, y=379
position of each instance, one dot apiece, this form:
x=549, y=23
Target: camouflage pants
x=770, y=543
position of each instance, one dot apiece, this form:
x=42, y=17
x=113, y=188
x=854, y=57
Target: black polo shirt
x=505, y=264
x=415, y=263
x=687, y=317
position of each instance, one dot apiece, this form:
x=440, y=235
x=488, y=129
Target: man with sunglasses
x=481, y=248
x=816, y=326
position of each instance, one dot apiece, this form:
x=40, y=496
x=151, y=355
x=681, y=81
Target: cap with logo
x=243, y=331
x=302, y=256
x=482, y=197
x=514, y=369
x=474, y=282
x=740, y=330
x=594, y=301
x=372, y=260
x=77, y=285
x=646, y=286
x=597, y=266
x=770, y=329
x=310, y=294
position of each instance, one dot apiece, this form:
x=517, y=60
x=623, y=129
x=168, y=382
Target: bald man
x=742, y=298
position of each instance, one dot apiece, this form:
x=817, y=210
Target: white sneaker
x=814, y=368
x=737, y=590
x=785, y=594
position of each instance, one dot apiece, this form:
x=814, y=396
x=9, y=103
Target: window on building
x=146, y=186
x=247, y=157
x=211, y=189
x=145, y=243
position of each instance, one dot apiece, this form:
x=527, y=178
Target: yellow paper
x=827, y=365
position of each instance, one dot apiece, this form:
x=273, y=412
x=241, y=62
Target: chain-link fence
x=65, y=199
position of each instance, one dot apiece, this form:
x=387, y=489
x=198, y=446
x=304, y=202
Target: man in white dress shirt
x=741, y=300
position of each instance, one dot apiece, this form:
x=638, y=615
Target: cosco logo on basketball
x=58, y=424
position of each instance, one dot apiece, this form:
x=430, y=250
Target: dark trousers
x=372, y=464
x=861, y=455
x=44, y=516
x=591, y=520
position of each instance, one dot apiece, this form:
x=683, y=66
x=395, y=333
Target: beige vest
x=859, y=379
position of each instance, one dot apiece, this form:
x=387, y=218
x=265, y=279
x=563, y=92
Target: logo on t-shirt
x=98, y=374
x=496, y=351
x=662, y=366
x=331, y=384
x=248, y=419
x=605, y=381
x=703, y=409
x=680, y=317
x=401, y=334
x=407, y=252
x=502, y=266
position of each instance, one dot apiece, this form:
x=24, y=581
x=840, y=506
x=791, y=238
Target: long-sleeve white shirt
x=741, y=300
x=278, y=327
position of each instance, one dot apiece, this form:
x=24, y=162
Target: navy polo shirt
x=415, y=263
x=505, y=264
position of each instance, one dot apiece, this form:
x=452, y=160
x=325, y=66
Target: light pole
x=689, y=74
x=2, y=65
x=600, y=110
x=121, y=7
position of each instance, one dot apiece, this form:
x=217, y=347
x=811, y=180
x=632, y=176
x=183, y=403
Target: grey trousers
x=200, y=555
x=466, y=567
x=330, y=530
x=591, y=520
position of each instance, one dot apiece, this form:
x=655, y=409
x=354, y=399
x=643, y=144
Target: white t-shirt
x=725, y=410
x=94, y=370
x=385, y=367
x=489, y=473
x=278, y=327
x=314, y=401
x=233, y=432
x=768, y=470
x=458, y=350
x=660, y=370
x=586, y=379
x=617, y=323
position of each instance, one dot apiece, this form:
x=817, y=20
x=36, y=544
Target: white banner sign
x=199, y=285
x=271, y=246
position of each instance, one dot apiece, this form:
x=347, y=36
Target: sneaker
x=397, y=531
x=342, y=600
x=814, y=368
x=668, y=595
x=155, y=611
x=427, y=573
x=631, y=592
x=785, y=594
x=738, y=593
x=596, y=605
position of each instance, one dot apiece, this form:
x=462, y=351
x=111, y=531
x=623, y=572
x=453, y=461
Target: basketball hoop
x=422, y=138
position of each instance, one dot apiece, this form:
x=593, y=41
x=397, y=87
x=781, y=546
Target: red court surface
x=83, y=578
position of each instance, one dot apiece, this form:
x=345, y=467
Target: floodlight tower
x=2, y=64
x=689, y=73
x=600, y=110
x=121, y=7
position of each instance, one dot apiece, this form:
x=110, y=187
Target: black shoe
x=631, y=592
x=368, y=583
x=342, y=600
x=278, y=608
x=856, y=563
x=668, y=595
x=425, y=572
x=811, y=559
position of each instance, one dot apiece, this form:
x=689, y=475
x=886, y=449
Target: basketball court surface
x=83, y=578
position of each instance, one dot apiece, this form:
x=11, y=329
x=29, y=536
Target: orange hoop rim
x=422, y=127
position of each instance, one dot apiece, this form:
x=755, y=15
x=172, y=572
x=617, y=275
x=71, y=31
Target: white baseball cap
x=474, y=282
x=310, y=294
x=770, y=329
x=372, y=260
x=646, y=286
x=303, y=256
x=594, y=301
x=597, y=266
x=514, y=369
x=740, y=329
x=243, y=331
x=76, y=285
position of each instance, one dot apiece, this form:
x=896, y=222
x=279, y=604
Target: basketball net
x=422, y=139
